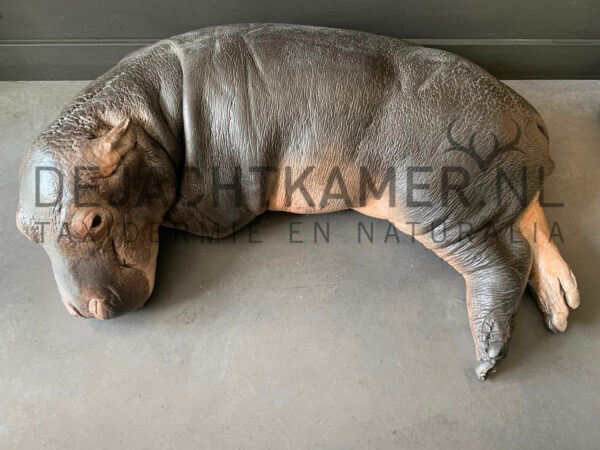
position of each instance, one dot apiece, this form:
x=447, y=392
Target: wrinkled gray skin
x=283, y=96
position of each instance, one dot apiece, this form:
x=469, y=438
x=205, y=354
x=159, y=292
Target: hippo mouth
x=73, y=310
x=97, y=309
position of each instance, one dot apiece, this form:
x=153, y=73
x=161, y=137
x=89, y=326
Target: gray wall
x=68, y=39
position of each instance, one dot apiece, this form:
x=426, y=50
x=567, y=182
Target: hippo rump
x=205, y=131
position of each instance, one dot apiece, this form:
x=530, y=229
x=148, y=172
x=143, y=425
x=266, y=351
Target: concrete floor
x=275, y=345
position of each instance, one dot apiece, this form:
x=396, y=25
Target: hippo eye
x=96, y=221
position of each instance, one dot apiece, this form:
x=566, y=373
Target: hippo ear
x=110, y=148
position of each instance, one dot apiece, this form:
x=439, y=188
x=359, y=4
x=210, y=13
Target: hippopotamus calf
x=207, y=130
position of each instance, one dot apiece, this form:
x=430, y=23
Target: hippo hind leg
x=496, y=268
x=551, y=280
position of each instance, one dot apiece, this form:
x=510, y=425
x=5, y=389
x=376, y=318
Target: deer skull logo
x=483, y=163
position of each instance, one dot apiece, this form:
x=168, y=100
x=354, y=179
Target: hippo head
x=94, y=201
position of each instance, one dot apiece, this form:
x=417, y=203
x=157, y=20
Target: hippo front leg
x=496, y=270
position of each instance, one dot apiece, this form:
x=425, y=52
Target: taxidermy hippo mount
x=207, y=130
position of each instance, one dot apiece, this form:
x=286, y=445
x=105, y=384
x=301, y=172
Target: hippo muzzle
x=99, y=287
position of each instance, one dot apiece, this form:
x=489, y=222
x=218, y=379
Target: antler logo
x=483, y=163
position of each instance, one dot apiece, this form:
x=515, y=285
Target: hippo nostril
x=96, y=221
x=96, y=309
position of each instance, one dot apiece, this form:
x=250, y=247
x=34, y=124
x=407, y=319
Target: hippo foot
x=555, y=289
